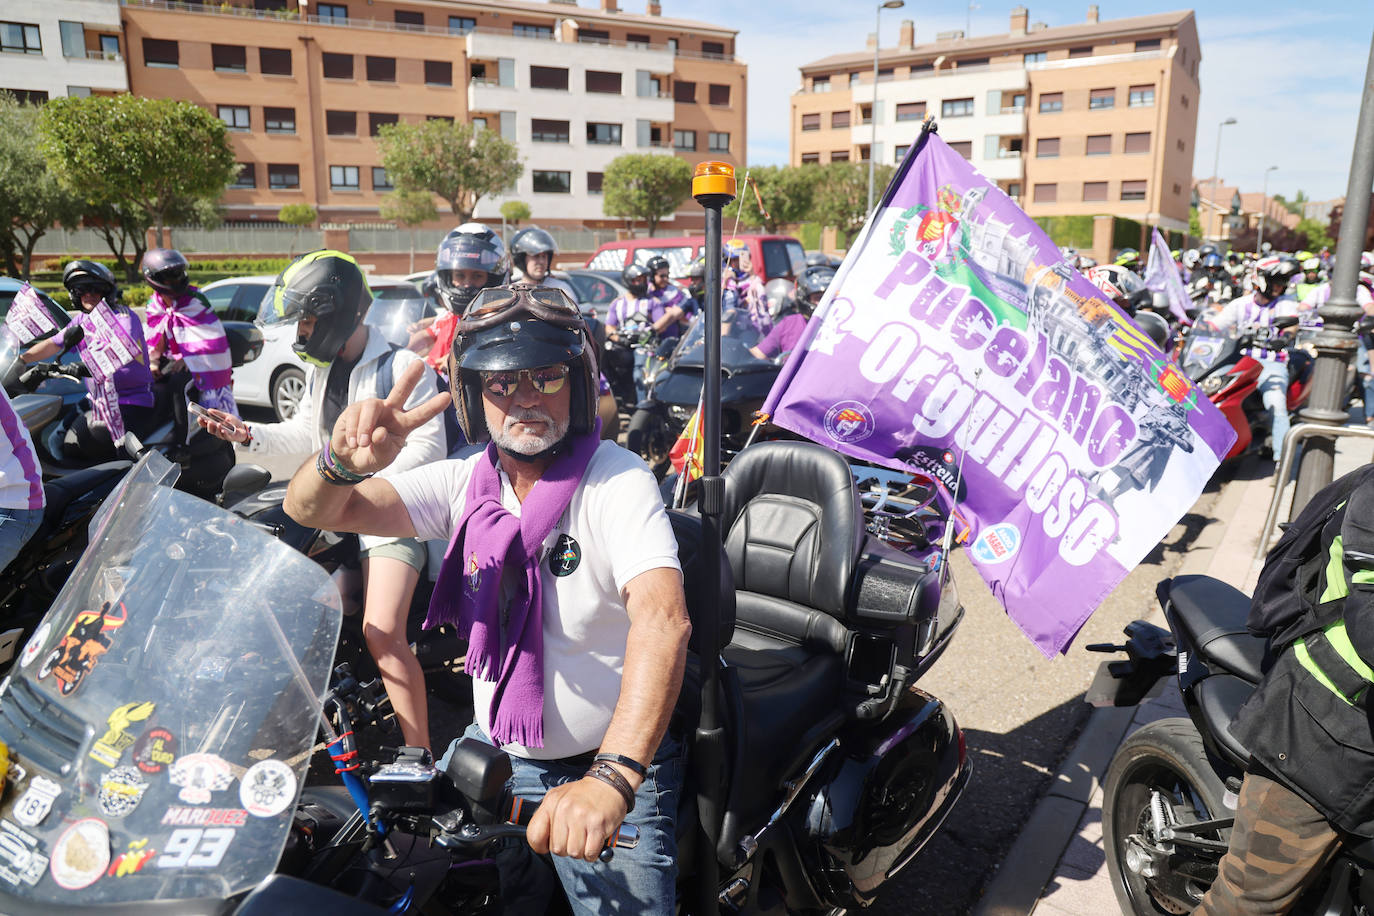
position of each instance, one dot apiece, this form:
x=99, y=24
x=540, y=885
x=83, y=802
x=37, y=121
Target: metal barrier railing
x=1285, y=468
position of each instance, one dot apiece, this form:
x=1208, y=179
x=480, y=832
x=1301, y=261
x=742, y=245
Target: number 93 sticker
x=193, y=847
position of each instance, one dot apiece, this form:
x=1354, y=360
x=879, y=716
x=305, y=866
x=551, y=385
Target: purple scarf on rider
x=487, y=541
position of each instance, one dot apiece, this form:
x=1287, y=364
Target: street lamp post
x=1216, y=169
x=873, y=112
x=1264, y=209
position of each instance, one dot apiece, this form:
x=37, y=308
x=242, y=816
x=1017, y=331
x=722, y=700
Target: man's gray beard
x=528, y=443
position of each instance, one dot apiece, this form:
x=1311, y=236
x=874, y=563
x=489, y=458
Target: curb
x=1031, y=862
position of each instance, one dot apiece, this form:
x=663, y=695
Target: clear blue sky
x=1289, y=73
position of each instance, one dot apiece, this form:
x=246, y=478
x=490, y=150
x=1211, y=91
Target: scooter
x=1230, y=378
x=1169, y=795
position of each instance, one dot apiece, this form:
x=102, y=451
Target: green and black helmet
x=327, y=285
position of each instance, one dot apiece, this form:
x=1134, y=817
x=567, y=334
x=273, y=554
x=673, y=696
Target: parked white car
x=276, y=379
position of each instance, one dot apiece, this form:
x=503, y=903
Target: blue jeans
x=16, y=527
x=1273, y=390
x=639, y=880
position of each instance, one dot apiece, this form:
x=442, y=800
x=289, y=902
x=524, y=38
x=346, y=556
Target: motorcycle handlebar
x=473, y=838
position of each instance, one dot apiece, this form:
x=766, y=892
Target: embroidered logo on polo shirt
x=566, y=556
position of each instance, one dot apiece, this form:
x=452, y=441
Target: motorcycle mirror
x=71, y=337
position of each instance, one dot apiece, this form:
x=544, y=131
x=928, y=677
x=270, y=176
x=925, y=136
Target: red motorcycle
x=1229, y=377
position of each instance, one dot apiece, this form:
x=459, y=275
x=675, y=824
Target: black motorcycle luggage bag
x=891, y=596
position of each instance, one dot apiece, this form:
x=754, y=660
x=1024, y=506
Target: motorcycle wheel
x=1168, y=757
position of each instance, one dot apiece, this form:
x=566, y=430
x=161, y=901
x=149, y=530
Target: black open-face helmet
x=88, y=276
x=531, y=241
x=326, y=285
x=472, y=246
x=636, y=280
x=521, y=327
x=165, y=270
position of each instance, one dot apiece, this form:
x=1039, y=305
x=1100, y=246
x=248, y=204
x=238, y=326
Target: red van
x=777, y=255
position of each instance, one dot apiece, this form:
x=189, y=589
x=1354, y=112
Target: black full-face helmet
x=165, y=270
x=326, y=285
x=1273, y=274
x=531, y=241
x=522, y=326
x=85, y=277
x=811, y=286
x=636, y=280
x=472, y=246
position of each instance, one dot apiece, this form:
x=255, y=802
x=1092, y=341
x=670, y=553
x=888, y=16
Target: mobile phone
x=199, y=411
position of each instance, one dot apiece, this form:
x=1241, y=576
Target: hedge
x=1068, y=231
x=225, y=266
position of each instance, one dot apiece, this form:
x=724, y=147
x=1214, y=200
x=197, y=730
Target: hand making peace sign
x=369, y=434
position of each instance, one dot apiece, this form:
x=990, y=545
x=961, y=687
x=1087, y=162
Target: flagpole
x=713, y=186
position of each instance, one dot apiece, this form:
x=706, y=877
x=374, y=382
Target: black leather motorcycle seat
x=59, y=492
x=1219, y=698
x=789, y=696
x=1212, y=615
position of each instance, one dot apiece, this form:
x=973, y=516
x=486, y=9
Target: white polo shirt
x=618, y=529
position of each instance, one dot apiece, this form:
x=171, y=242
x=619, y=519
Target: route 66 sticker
x=36, y=802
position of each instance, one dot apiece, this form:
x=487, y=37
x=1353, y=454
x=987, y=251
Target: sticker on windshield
x=35, y=645
x=81, y=854
x=20, y=862
x=191, y=847
x=132, y=860
x=155, y=750
x=199, y=775
x=36, y=802
x=121, y=790
x=90, y=637
x=267, y=788
x=180, y=816
x=117, y=739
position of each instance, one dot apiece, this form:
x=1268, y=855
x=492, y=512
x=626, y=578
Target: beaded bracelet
x=610, y=776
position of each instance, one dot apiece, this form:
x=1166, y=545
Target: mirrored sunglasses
x=545, y=380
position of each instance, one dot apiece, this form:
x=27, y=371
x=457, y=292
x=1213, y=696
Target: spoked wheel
x=1161, y=773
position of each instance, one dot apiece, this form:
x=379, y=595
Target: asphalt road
x=1020, y=713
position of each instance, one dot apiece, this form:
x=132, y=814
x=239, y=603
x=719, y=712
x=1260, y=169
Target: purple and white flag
x=955, y=328
x=106, y=347
x=27, y=317
x=1161, y=276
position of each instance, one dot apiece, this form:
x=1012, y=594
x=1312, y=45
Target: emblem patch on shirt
x=566, y=556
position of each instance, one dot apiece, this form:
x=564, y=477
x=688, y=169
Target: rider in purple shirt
x=781, y=340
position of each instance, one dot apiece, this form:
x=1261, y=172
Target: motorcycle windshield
x=393, y=317
x=738, y=335
x=160, y=720
x=1201, y=352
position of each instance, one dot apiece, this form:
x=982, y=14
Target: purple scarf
x=487, y=540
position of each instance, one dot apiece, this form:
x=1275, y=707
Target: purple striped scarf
x=192, y=333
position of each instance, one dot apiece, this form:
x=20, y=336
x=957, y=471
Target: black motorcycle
x=1169, y=795
x=835, y=768
x=676, y=391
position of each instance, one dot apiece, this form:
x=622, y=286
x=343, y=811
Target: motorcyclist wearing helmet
x=640, y=317
x=1128, y=258
x=746, y=284
x=325, y=294
x=668, y=296
x=183, y=328
x=1311, y=277
x=1256, y=311
x=532, y=253
x=471, y=258
x=124, y=401
x=598, y=627
x=1318, y=295
x=783, y=337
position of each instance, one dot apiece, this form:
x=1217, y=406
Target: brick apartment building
x=54, y=48
x=1087, y=119
x=305, y=90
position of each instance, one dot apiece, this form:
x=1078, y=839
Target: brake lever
x=474, y=838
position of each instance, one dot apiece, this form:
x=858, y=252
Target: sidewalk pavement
x=1057, y=866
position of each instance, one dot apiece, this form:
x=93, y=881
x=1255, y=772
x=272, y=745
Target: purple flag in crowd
x=955, y=326
x=1161, y=276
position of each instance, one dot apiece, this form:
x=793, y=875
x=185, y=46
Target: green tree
x=31, y=199
x=298, y=215
x=410, y=209
x=1315, y=231
x=459, y=162
x=787, y=192
x=515, y=212
x=151, y=159
x=645, y=186
x=841, y=196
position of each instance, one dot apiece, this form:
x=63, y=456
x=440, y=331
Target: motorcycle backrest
x=243, y=480
x=794, y=524
x=245, y=341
